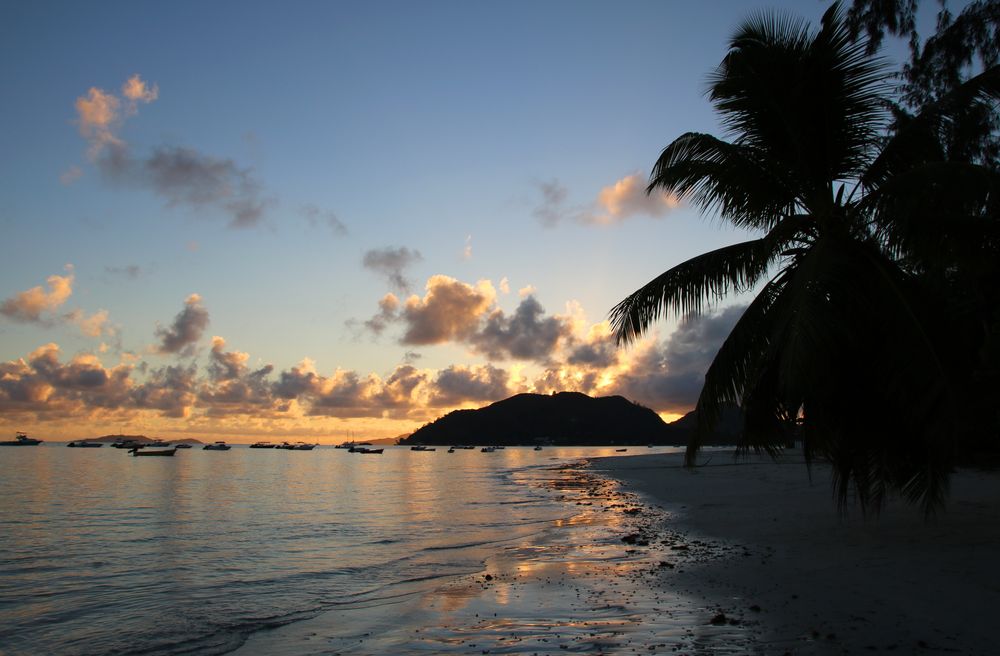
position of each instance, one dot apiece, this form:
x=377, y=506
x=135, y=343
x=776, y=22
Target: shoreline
x=587, y=583
x=810, y=580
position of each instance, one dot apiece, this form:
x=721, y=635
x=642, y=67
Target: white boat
x=216, y=446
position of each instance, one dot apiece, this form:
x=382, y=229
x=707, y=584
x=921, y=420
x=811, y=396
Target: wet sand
x=730, y=558
x=808, y=581
x=596, y=582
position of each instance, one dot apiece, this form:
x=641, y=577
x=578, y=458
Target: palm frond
x=735, y=366
x=734, y=180
x=685, y=288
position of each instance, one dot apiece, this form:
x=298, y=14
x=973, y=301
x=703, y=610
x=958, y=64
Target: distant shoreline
x=810, y=581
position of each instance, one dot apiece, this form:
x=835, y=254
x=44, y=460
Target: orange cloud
x=627, y=197
x=449, y=311
x=137, y=91
x=28, y=306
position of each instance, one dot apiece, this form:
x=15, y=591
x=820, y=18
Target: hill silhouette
x=565, y=418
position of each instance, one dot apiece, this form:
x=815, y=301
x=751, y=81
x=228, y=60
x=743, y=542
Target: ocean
x=261, y=550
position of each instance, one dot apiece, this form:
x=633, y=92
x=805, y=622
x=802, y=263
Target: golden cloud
x=28, y=306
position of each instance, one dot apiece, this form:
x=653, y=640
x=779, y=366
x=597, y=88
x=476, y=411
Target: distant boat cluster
x=159, y=447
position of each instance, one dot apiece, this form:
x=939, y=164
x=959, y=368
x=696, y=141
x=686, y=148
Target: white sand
x=825, y=583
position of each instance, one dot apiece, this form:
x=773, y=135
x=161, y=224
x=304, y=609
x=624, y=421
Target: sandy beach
x=748, y=557
x=807, y=580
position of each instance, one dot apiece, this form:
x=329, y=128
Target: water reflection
x=98, y=547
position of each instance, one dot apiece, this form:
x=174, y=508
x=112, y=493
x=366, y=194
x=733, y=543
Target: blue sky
x=485, y=139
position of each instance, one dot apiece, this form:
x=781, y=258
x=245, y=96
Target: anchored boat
x=21, y=439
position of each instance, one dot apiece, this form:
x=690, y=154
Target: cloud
x=30, y=305
x=298, y=380
x=42, y=387
x=525, y=335
x=186, y=330
x=392, y=263
x=504, y=285
x=137, y=91
x=185, y=176
x=171, y=390
x=627, y=198
x=232, y=388
x=621, y=200
x=130, y=271
x=669, y=377
x=70, y=175
x=450, y=311
x=93, y=326
x=315, y=216
x=551, y=209
x=98, y=118
x=467, y=251
x=182, y=176
x=457, y=385
x=387, y=313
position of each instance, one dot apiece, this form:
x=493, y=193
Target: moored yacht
x=216, y=446
x=21, y=439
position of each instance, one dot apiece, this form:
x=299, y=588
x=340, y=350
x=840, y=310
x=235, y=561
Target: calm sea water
x=104, y=553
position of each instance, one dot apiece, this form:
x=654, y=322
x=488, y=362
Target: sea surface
x=207, y=552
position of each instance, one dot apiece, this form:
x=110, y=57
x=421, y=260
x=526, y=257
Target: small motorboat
x=367, y=450
x=84, y=444
x=21, y=439
x=621, y=450
x=263, y=445
x=538, y=448
x=302, y=446
x=216, y=446
x=451, y=450
x=487, y=449
x=136, y=451
x=422, y=447
x=182, y=445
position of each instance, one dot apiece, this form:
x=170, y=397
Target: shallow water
x=208, y=551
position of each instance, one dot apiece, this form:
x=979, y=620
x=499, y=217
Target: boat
x=302, y=446
x=157, y=443
x=422, y=447
x=348, y=445
x=451, y=450
x=487, y=449
x=538, y=448
x=136, y=451
x=263, y=445
x=21, y=439
x=84, y=444
x=126, y=444
x=367, y=450
x=182, y=445
x=621, y=450
x=217, y=446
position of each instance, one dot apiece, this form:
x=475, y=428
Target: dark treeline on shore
x=874, y=335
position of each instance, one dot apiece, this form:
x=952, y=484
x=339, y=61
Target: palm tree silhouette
x=840, y=343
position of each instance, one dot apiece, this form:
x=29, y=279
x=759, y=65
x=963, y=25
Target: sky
x=332, y=220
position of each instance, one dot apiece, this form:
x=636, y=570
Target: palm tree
x=840, y=342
